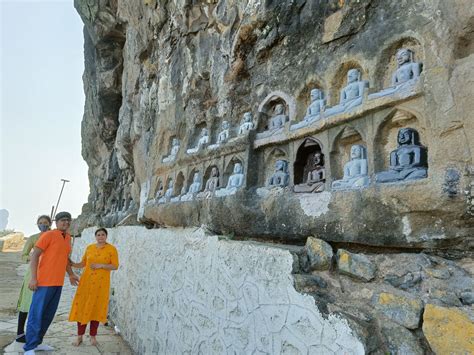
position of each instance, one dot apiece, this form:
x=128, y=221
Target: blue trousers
x=42, y=310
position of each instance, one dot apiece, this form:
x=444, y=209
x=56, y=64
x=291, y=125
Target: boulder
x=319, y=254
x=355, y=265
x=400, y=309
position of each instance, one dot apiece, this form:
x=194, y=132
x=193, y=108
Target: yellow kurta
x=92, y=296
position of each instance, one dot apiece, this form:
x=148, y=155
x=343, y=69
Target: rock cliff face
x=158, y=70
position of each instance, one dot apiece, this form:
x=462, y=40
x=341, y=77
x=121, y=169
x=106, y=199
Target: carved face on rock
x=196, y=177
x=247, y=117
x=204, y=132
x=403, y=56
x=357, y=152
x=317, y=159
x=175, y=142
x=214, y=172
x=408, y=136
x=280, y=165
x=237, y=168
x=353, y=75
x=279, y=109
x=316, y=94
x=225, y=125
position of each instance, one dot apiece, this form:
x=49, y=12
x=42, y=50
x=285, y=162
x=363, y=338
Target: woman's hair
x=44, y=216
x=101, y=230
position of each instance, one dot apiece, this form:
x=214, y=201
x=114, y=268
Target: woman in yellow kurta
x=92, y=296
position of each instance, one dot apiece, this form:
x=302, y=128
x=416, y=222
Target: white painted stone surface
x=178, y=291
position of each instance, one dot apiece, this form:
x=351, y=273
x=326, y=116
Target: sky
x=41, y=106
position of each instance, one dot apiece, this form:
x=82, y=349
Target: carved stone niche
x=340, y=82
x=269, y=109
x=211, y=181
x=179, y=184
x=308, y=169
x=193, y=187
x=199, y=140
x=341, y=150
x=387, y=133
x=387, y=63
x=229, y=170
x=274, y=155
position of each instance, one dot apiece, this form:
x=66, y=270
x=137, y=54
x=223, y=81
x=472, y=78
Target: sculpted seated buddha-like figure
x=235, y=182
x=409, y=161
x=280, y=177
x=315, y=175
x=279, y=119
x=194, y=188
x=223, y=135
x=314, y=110
x=203, y=141
x=355, y=171
x=404, y=76
x=174, y=151
x=212, y=184
x=351, y=95
x=169, y=193
x=247, y=124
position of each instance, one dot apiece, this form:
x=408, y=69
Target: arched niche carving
x=267, y=107
x=341, y=150
x=271, y=158
x=303, y=97
x=159, y=189
x=229, y=169
x=194, y=139
x=339, y=81
x=207, y=175
x=179, y=183
x=387, y=61
x=304, y=155
x=169, y=180
x=191, y=178
x=386, y=136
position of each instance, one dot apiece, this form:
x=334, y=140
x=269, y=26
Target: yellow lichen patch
x=448, y=330
x=344, y=258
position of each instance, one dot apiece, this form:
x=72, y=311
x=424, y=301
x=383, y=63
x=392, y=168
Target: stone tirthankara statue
x=169, y=193
x=212, y=183
x=194, y=188
x=247, y=124
x=314, y=110
x=351, y=95
x=355, y=171
x=405, y=75
x=174, y=151
x=235, y=182
x=315, y=175
x=223, y=135
x=279, y=119
x=203, y=141
x=409, y=161
x=280, y=177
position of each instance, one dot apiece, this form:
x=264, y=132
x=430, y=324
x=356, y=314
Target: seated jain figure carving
x=314, y=110
x=193, y=189
x=409, y=161
x=168, y=194
x=174, y=151
x=315, y=175
x=351, y=95
x=279, y=119
x=203, y=141
x=355, y=171
x=405, y=75
x=280, y=177
x=247, y=124
x=211, y=184
x=235, y=182
x=223, y=135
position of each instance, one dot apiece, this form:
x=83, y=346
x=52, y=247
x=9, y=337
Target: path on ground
x=61, y=333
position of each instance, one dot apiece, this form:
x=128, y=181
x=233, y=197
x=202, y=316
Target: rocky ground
x=61, y=333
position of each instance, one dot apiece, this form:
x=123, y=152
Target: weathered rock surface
x=355, y=265
x=319, y=254
x=449, y=330
x=12, y=242
x=403, y=310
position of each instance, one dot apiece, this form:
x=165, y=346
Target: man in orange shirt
x=49, y=263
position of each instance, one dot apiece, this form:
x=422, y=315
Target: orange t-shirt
x=54, y=258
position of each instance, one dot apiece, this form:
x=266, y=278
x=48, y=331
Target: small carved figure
x=159, y=191
x=174, y=151
x=451, y=182
x=247, y=123
x=351, y=95
x=223, y=135
x=279, y=119
x=236, y=180
x=315, y=175
x=280, y=177
x=203, y=141
x=314, y=110
x=404, y=76
x=409, y=161
x=194, y=188
x=169, y=193
x=355, y=171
